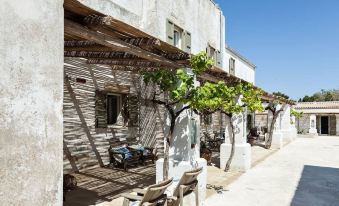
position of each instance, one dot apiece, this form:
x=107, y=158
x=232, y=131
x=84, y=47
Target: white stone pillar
x=337, y=124
x=287, y=125
x=182, y=157
x=313, y=125
x=242, y=155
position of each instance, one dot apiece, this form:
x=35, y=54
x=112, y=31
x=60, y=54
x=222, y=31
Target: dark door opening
x=324, y=125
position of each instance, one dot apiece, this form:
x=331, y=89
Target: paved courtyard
x=303, y=173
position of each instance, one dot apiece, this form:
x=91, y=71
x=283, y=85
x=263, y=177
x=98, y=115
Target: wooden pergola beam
x=87, y=45
x=89, y=49
x=134, y=69
x=141, y=63
x=78, y=30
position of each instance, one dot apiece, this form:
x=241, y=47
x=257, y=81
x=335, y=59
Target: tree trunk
x=270, y=133
x=229, y=161
x=168, y=141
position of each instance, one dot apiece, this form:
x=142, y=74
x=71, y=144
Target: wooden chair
x=187, y=184
x=153, y=195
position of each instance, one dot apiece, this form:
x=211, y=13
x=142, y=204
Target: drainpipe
x=222, y=38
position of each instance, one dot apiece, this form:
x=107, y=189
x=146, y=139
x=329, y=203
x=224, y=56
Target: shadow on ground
x=105, y=184
x=318, y=186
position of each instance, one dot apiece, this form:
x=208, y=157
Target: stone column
x=31, y=101
x=242, y=156
x=313, y=125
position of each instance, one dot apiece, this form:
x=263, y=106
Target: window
x=207, y=119
x=113, y=108
x=214, y=54
x=211, y=52
x=177, y=37
x=232, y=66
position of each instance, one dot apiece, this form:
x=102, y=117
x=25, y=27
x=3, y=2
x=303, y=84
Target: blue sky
x=294, y=43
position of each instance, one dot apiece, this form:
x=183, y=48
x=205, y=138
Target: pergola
x=215, y=74
x=101, y=39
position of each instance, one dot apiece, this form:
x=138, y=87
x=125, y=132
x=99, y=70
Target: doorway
x=324, y=125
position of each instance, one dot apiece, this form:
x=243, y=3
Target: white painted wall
x=243, y=70
x=31, y=94
x=202, y=18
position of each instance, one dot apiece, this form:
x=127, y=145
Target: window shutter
x=170, y=32
x=215, y=57
x=208, y=51
x=133, y=114
x=100, y=109
x=218, y=58
x=187, y=42
x=232, y=66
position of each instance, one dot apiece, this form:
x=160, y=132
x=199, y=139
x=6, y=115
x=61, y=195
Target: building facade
x=319, y=118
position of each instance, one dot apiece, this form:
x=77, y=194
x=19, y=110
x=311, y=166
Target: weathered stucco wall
x=31, y=53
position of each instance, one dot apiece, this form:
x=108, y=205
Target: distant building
x=319, y=117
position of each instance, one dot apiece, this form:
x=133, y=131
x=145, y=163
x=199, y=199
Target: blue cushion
x=125, y=151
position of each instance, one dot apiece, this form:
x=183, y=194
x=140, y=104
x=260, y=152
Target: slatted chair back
x=156, y=192
x=189, y=179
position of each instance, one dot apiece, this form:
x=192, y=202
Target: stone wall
x=303, y=124
x=85, y=143
x=217, y=123
x=261, y=120
x=31, y=53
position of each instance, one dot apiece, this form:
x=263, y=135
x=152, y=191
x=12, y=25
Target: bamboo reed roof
x=102, y=39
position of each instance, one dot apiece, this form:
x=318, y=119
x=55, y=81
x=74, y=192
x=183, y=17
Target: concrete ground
x=303, y=173
x=217, y=178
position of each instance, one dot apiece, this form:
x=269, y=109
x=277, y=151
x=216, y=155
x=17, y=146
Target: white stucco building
x=50, y=102
x=191, y=26
x=239, y=66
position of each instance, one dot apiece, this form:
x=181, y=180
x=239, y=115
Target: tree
x=273, y=107
x=229, y=100
x=322, y=95
x=296, y=114
x=176, y=90
x=280, y=94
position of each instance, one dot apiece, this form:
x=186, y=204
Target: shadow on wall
x=318, y=186
x=84, y=144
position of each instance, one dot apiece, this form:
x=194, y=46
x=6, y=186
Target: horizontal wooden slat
x=83, y=32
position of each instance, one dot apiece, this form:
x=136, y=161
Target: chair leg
x=196, y=195
x=126, y=202
x=125, y=166
x=181, y=195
